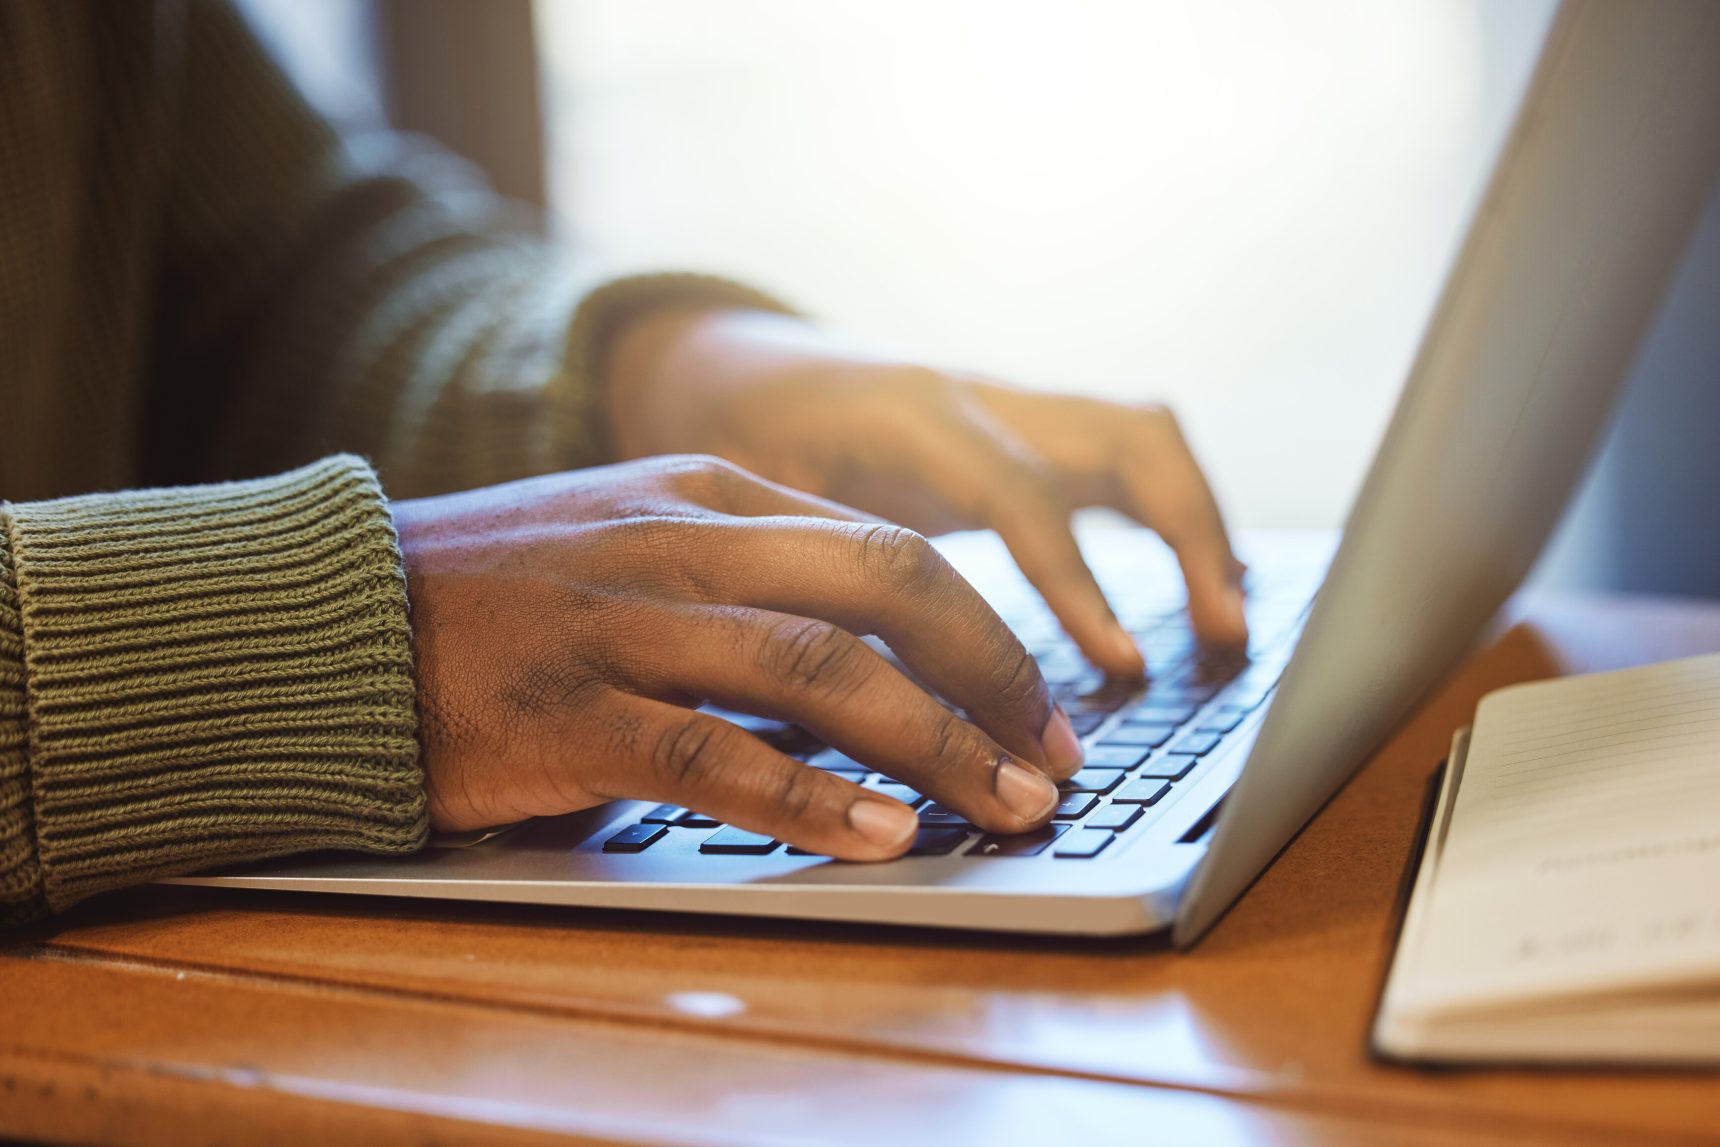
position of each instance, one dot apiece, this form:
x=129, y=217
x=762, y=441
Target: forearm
x=201, y=676
x=458, y=370
x=368, y=294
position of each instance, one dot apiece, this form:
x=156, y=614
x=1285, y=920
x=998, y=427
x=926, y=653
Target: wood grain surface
x=182, y=1015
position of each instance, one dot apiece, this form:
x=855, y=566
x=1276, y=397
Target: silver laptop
x=1194, y=782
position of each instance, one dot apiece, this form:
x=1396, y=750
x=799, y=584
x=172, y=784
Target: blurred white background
x=1243, y=208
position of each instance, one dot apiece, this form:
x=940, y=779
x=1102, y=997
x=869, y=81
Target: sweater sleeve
x=366, y=293
x=198, y=676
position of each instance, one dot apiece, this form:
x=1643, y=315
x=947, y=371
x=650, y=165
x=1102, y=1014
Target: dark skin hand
x=565, y=627
x=934, y=450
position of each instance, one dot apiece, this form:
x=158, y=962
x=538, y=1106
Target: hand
x=565, y=626
x=934, y=450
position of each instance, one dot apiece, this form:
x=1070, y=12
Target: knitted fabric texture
x=201, y=281
x=210, y=673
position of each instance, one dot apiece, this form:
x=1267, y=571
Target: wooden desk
x=186, y=1016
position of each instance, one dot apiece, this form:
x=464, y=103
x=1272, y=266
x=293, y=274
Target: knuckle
x=685, y=753
x=808, y=654
x=705, y=478
x=950, y=746
x=708, y=467
x=897, y=557
x=797, y=793
x=1022, y=684
x=945, y=737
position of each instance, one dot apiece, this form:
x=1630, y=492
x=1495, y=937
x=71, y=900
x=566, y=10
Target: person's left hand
x=931, y=449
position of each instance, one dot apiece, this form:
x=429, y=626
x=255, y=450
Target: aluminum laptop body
x=1614, y=153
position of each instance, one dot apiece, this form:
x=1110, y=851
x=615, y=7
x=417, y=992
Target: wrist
x=662, y=368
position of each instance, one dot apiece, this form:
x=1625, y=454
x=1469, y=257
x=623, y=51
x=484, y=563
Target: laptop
x=1195, y=781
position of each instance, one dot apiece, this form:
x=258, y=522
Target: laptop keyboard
x=1144, y=742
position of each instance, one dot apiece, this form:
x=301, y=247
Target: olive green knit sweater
x=200, y=282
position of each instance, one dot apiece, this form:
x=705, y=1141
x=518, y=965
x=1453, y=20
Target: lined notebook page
x=1583, y=849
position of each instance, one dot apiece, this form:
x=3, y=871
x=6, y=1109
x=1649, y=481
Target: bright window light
x=1242, y=208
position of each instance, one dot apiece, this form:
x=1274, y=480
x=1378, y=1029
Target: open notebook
x=1567, y=906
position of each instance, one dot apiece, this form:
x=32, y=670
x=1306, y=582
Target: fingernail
x=1026, y=794
x=1062, y=747
x=882, y=824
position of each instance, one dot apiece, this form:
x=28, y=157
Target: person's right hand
x=565, y=626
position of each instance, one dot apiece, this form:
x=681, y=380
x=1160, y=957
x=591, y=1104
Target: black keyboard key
x=1196, y=744
x=908, y=796
x=936, y=841
x=1169, y=766
x=664, y=814
x=1022, y=844
x=1198, y=693
x=698, y=820
x=1149, y=790
x=1115, y=756
x=1219, y=665
x=1073, y=693
x=797, y=742
x=1070, y=674
x=1168, y=646
x=1108, y=695
x=1084, y=843
x=1093, y=781
x=832, y=761
x=634, y=838
x=1221, y=720
x=731, y=841
x=1114, y=816
x=1161, y=665
x=938, y=816
x=1085, y=723
x=1153, y=712
x=1074, y=806
x=1172, y=689
x=1061, y=664
x=1146, y=736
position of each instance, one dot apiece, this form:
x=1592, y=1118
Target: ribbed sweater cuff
x=209, y=675
x=20, y=875
x=600, y=315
